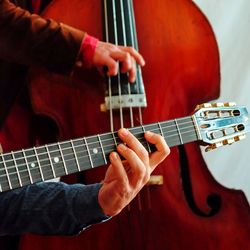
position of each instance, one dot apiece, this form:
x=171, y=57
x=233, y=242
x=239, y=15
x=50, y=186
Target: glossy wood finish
x=182, y=70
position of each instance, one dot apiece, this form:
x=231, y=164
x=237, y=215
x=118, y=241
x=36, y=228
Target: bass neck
x=32, y=165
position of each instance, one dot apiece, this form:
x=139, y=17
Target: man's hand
x=124, y=179
x=109, y=55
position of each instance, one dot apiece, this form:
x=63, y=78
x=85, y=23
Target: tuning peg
x=225, y=142
x=239, y=137
x=218, y=104
x=229, y=104
x=203, y=105
x=229, y=141
x=214, y=146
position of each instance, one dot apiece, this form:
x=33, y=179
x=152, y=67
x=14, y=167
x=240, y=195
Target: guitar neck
x=28, y=166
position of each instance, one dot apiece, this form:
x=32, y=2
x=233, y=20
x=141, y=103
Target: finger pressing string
x=162, y=148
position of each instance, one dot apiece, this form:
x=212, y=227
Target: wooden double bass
x=183, y=207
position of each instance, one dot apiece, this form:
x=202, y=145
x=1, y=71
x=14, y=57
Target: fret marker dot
x=95, y=150
x=56, y=159
x=32, y=164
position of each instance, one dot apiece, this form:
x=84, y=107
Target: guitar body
x=182, y=69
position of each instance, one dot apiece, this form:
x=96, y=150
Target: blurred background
x=230, y=19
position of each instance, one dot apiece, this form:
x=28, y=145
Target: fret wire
x=131, y=129
x=103, y=153
x=118, y=137
x=51, y=164
x=62, y=173
x=38, y=162
x=61, y=153
x=196, y=127
x=86, y=144
x=7, y=174
x=179, y=132
x=76, y=158
x=189, y=123
x=27, y=165
x=114, y=138
x=176, y=143
x=18, y=174
x=149, y=149
x=194, y=135
x=159, y=125
x=146, y=125
x=32, y=165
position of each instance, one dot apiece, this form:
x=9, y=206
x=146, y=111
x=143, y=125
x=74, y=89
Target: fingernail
x=132, y=80
x=149, y=133
x=124, y=132
x=122, y=147
x=143, y=63
x=114, y=155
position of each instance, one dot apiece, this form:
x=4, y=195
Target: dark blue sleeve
x=50, y=208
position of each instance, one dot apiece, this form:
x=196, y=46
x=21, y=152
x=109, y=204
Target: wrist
x=87, y=51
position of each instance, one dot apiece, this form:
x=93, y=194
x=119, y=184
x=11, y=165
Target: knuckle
x=127, y=56
x=132, y=50
x=113, y=67
x=112, y=46
x=143, y=152
x=159, y=138
x=146, y=177
x=141, y=174
x=130, y=154
x=124, y=190
x=166, y=150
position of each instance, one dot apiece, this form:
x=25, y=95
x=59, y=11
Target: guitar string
x=187, y=126
x=125, y=39
x=109, y=78
x=60, y=173
x=171, y=140
x=79, y=158
x=168, y=137
x=119, y=73
x=65, y=155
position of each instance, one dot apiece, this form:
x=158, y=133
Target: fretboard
x=28, y=166
x=120, y=29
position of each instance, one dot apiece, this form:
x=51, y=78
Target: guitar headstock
x=220, y=124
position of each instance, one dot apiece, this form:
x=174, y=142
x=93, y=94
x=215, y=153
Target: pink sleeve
x=87, y=50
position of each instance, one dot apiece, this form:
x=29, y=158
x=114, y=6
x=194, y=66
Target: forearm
x=31, y=40
x=50, y=208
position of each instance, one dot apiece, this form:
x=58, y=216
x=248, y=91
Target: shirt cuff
x=87, y=50
x=92, y=214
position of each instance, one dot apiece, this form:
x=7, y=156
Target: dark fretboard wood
x=119, y=29
x=50, y=161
